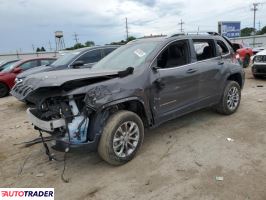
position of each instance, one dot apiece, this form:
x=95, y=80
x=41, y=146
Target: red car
x=243, y=53
x=8, y=75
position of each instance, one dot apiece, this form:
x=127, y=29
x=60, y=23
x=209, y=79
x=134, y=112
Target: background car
x=80, y=58
x=244, y=53
x=8, y=74
x=7, y=63
x=258, y=67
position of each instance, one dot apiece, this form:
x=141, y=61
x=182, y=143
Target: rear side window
x=176, y=54
x=205, y=49
x=222, y=48
x=91, y=56
x=29, y=64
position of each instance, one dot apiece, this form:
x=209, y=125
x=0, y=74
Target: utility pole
x=33, y=48
x=50, y=46
x=126, y=29
x=254, y=9
x=76, y=38
x=181, y=23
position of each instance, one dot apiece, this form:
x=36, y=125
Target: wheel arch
x=237, y=78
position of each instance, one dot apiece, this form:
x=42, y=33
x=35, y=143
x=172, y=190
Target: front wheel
x=121, y=138
x=230, y=100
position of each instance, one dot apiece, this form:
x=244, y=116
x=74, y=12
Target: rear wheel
x=121, y=138
x=3, y=90
x=246, y=61
x=230, y=100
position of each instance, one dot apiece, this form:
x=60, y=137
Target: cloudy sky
x=32, y=22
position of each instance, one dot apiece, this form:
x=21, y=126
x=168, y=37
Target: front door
x=176, y=84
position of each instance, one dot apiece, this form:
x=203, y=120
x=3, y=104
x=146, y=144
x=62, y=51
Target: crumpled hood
x=58, y=78
x=36, y=70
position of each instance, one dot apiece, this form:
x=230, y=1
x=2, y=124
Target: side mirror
x=77, y=64
x=17, y=70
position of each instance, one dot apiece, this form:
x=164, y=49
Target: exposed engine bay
x=65, y=118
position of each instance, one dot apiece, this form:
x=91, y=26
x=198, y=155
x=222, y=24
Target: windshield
x=65, y=59
x=131, y=55
x=8, y=67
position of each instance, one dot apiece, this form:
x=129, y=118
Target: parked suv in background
x=9, y=73
x=258, y=67
x=80, y=58
x=142, y=84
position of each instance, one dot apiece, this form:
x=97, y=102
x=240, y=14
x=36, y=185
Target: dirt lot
x=179, y=160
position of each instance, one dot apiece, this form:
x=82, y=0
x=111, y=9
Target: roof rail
x=195, y=33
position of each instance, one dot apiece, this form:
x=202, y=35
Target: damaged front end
x=68, y=120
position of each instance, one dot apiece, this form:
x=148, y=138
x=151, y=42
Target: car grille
x=21, y=90
x=260, y=58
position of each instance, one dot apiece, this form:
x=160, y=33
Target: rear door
x=176, y=84
x=210, y=65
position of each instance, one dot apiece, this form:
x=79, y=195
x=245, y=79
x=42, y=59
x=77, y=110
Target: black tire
x=3, y=90
x=246, y=61
x=223, y=107
x=106, y=144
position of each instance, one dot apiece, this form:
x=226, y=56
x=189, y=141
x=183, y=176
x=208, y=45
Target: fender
x=134, y=98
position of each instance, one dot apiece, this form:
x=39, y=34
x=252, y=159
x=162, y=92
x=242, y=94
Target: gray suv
x=140, y=85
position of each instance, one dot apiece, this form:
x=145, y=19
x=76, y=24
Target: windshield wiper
x=126, y=72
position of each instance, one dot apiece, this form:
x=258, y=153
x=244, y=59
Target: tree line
x=248, y=31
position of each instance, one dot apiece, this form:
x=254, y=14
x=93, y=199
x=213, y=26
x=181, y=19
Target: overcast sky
x=32, y=22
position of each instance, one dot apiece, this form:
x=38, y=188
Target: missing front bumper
x=48, y=126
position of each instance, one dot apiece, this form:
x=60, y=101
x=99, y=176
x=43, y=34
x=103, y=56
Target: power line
x=181, y=23
x=76, y=38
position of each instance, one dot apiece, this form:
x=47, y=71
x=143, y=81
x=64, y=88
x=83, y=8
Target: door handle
x=190, y=71
x=159, y=83
x=220, y=62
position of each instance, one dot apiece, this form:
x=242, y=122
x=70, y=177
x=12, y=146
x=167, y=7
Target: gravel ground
x=179, y=160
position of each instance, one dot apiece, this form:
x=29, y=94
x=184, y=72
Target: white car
x=258, y=67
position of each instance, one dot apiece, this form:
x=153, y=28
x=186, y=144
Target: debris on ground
x=230, y=139
x=17, y=126
x=219, y=178
x=40, y=175
x=260, y=100
x=260, y=86
x=197, y=163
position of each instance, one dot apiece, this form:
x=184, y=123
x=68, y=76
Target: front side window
x=176, y=54
x=205, y=49
x=91, y=56
x=222, y=47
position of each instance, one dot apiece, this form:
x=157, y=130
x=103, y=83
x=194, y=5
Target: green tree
x=78, y=46
x=262, y=31
x=130, y=38
x=38, y=49
x=43, y=49
x=246, y=31
x=89, y=43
